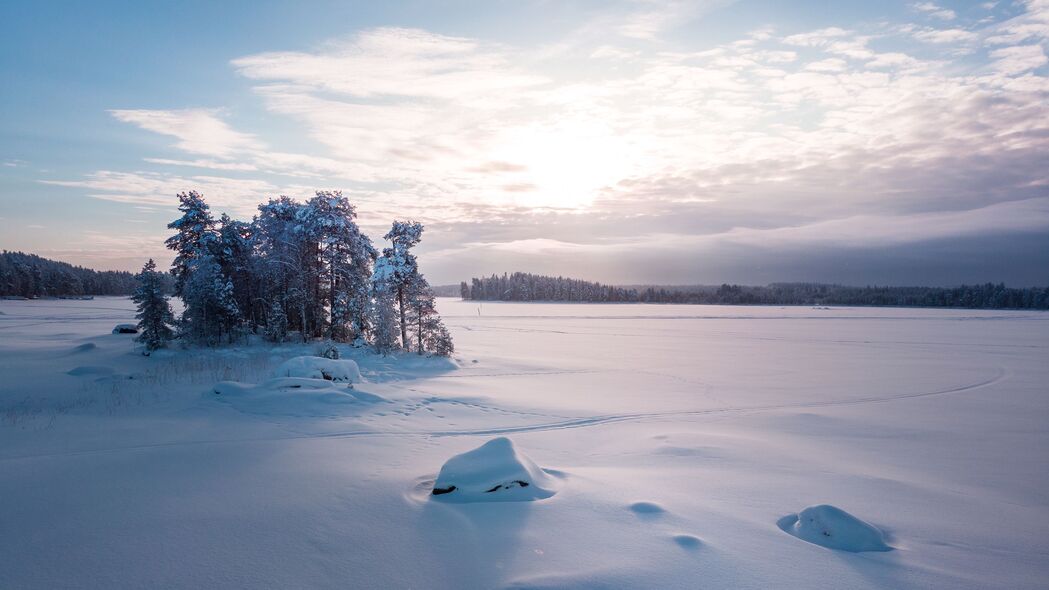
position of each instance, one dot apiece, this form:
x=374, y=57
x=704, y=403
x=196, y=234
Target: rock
x=493, y=472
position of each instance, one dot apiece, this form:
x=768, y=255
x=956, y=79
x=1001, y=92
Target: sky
x=648, y=141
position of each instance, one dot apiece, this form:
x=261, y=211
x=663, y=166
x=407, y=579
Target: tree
x=211, y=313
x=344, y=262
x=382, y=309
x=276, y=323
x=154, y=312
x=195, y=233
x=401, y=266
x=234, y=252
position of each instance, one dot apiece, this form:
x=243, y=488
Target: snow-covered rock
x=295, y=396
x=834, y=528
x=125, y=329
x=315, y=367
x=90, y=370
x=493, y=472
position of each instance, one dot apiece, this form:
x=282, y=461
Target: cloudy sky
x=632, y=142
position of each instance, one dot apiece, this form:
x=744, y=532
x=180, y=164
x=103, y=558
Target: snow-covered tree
x=385, y=324
x=234, y=252
x=211, y=312
x=194, y=237
x=345, y=256
x=276, y=329
x=154, y=312
x=438, y=339
x=282, y=261
x=401, y=267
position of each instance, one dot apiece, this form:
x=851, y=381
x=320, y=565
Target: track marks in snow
x=583, y=422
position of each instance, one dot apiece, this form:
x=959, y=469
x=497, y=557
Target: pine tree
x=401, y=266
x=211, y=312
x=154, y=313
x=344, y=258
x=276, y=323
x=195, y=233
x=382, y=310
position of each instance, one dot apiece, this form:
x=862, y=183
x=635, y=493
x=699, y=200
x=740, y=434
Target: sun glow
x=564, y=165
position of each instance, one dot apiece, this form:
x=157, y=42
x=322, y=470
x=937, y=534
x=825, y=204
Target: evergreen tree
x=211, y=312
x=345, y=256
x=401, y=266
x=383, y=315
x=276, y=323
x=194, y=237
x=154, y=313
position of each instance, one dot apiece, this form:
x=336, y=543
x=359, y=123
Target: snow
x=832, y=527
x=293, y=396
x=493, y=472
x=315, y=367
x=677, y=438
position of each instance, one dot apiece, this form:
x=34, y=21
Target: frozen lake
x=679, y=435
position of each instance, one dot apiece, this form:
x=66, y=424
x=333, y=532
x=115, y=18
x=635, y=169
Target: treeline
x=529, y=287
x=298, y=269
x=30, y=276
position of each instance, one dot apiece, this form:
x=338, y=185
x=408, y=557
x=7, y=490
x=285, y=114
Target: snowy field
x=669, y=446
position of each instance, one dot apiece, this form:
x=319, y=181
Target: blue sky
x=645, y=141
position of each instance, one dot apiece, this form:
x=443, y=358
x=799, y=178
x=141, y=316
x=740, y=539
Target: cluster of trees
x=529, y=287
x=30, y=276
x=521, y=286
x=298, y=269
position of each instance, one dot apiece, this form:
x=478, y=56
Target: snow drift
x=493, y=472
x=295, y=396
x=315, y=367
x=832, y=527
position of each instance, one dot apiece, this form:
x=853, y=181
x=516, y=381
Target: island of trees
x=521, y=286
x=298, y=269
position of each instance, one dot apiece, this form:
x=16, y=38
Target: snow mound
x=646, y=508
x=295, y=396
x=315, y=367
x=686, y=541
x=90, y=370
x=85, y=347
x=493, y=472
x=125, y=329
x=832, y=527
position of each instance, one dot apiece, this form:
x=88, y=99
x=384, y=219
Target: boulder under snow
x=315, y=367
x=493, y=472
x=834, y=528
x=125, y=329
x=294, y=396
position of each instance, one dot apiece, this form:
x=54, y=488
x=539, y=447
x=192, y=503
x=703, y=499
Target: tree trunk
x=404, y=327
x=420, y=332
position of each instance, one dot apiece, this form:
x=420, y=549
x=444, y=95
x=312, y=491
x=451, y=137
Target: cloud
x=1019, y=59
x=198, y=131
x=852, y=136
x=934, y=10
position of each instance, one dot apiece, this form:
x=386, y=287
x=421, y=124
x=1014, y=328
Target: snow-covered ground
x=684, y=443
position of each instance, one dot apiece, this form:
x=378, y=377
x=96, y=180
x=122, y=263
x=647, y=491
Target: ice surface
x=316, y=367
x=832, y=527
x=493, y=472
x=933, y=425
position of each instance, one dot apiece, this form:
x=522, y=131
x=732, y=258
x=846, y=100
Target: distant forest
x=521, y=286
x=28, y=275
